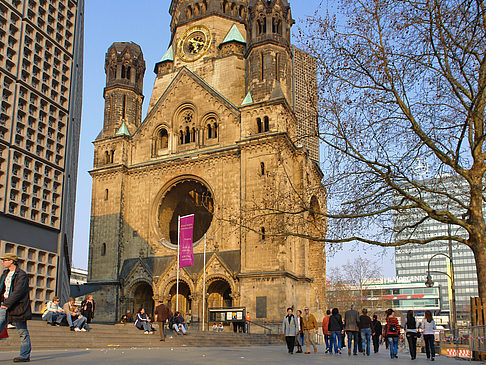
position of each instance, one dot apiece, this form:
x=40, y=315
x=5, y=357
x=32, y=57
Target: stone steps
x=47, y=337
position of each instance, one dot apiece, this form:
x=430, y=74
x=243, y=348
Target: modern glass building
x=411, y=260
x=41, y=54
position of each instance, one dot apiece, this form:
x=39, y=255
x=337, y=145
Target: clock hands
x=196, y=45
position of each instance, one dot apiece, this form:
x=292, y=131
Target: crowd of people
x=76, y=317
x=360, y=330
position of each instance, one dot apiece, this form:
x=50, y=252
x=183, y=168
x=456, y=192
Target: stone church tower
x=230, y=136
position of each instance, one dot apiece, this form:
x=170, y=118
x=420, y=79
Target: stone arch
x=141, y=293
x=219, y=291
x=173, y=198
x=186, y=290
x=211, y=126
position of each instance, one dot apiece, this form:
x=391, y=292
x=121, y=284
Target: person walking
x=365, y=331
x=88, y=308
x=410, y=325
x=335, y=328
x=299, y=339
x=290, y=329
x=162, y=314
x=351, y=326
x=376, y=330
x=309, y=324
x=15, y=303
x=392, y=331
x=325, y=330
x=428, y=326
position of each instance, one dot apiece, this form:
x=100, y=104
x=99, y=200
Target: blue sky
x=147, y=23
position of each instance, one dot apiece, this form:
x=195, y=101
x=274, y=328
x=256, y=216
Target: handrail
x=260, y=325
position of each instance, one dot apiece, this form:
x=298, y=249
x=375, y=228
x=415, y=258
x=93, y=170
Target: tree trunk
x=479, y=250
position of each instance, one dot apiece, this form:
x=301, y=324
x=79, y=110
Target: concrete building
x=41, y=55
x=229, y=136
x=411, y=260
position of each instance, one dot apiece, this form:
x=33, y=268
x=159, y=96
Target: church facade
x=230, y=136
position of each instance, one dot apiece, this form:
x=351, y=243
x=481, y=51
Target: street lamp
x=430, y=283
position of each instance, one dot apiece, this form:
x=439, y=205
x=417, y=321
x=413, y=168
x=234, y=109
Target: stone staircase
x=47, y=337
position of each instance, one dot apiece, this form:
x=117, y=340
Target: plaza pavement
x=267, y=355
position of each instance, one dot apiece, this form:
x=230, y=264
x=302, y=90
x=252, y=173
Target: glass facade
x=411, y=260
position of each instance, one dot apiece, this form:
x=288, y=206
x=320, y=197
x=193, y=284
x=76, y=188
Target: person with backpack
x=335, y=327
x=411, y=333
x=392, y=331
x=325, y=329
x=428, y=325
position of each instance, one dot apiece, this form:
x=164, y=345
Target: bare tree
x=402, y=80
x=347, y=284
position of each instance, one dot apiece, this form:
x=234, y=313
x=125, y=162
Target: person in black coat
x=376, y=330
x=88, y=308
x=15, y=303
x=336, y=328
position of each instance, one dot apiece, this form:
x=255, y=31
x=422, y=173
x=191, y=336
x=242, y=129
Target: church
x=231, y=136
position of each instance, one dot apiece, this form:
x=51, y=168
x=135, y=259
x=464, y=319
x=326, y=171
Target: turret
x=269, y=54
x=125, y=69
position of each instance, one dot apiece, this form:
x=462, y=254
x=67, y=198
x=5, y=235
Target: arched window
x=107, y=157
x=103, y=249
x=204, y=7
x=126, y=70
x=112, y=157
x=187, y=136
x=181, y=137
x=193, y=135
x=276, y=26
x=106, y=194
x=259, y=125
x=262, y=234
x=266, y=124
x=162, y=139
x=262, y=168
x=210, y=131
x=215, y=130
x=129, y=71
x=197, y=10
x=188, y=12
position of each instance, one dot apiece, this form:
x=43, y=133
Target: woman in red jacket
x=392, y=331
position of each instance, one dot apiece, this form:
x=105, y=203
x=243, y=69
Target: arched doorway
x=143, y=297
x=219, y=294
x=185, y=302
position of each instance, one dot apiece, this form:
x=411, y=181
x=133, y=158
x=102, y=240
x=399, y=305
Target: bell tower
x=269, y=55
x=123, y=94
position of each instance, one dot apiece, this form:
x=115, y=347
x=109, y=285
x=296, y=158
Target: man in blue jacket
x=15, y=302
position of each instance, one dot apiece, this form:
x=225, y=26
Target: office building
x=41, y=54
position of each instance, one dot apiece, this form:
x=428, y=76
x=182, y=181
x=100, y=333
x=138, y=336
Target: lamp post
x=430, y=283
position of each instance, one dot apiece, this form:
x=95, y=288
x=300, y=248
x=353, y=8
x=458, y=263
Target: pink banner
x=186, y=255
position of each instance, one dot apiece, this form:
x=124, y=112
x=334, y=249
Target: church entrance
x=185, y=302
x=143, y=297
x=219, y=294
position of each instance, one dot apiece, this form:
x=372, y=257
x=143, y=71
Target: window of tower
x=210, y=131
x=197, y=10
x=262, y=234
x=276, y=26
x=187, y=196
x=188, y=12
x=259, y=125
x=204, y=7
x=107, y=157
x=266, y=124
x=103, y=249
x=193, y=135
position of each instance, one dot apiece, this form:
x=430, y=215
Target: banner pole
x=204, y=286
x=178, y=248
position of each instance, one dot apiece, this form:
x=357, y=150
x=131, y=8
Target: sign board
x=227, y=314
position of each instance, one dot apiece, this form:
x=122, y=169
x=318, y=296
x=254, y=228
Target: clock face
x=194, y=43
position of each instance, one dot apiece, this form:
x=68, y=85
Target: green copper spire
x=234, y=35
x=169, y=55
x=123, y=131
x=248, y=99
